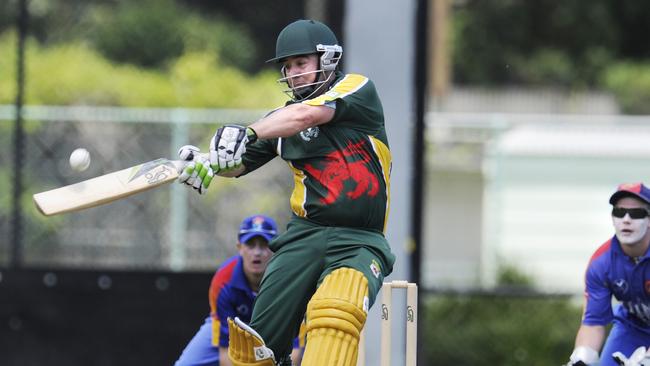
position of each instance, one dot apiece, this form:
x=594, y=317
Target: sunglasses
x=635, y=213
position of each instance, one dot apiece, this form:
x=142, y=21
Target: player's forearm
x=591, y=336
x=233, y=172
x=296, y=356
x=290, y=120
x=223, y=357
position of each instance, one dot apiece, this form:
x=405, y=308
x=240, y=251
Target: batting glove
x=197, y=173
x=228, y=145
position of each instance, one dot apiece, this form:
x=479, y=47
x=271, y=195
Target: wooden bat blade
x=108, y=187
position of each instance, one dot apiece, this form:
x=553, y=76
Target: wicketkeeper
x=620, y=269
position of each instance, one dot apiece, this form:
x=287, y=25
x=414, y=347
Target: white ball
x=80, y=159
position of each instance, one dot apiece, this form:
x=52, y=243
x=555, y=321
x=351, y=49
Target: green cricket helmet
x=306, y=37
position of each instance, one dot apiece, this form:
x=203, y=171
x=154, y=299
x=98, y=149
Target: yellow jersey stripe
x=216, y=325
x=302, y=334
x=299, y=194
x=385, y=159
x=348, y=85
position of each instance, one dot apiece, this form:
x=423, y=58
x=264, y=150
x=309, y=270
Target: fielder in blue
x=620, y=268
x=232, y=291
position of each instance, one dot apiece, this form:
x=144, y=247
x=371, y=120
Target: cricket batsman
x=331, y=261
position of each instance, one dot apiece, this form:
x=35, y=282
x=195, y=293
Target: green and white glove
x=228, y=145
x=197, y=173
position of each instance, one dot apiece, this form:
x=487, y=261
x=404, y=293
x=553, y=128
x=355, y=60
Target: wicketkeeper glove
x=640, y=357
x=583, y=356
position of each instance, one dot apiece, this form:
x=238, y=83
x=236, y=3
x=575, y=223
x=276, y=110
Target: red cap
x=636, y=190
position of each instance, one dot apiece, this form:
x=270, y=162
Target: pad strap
x=246, y=346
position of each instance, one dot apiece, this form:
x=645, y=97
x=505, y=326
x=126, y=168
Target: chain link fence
x=113, y=42
x=167, y=228
x=5, y=191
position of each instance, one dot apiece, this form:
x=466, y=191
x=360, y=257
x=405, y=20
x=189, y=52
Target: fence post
x=178, y=196
x=19, y=140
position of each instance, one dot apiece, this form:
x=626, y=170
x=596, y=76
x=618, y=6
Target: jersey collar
x=616, y=246
x=239, y=279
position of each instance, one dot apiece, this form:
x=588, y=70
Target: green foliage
x=143, y=33
x=8, y=67
x=8, y=14
x=546, y=66
x=149, y=33
x=630, y=82
x=230, y=42
x=505, y=330
x=74, y=74
x=199, y=83
x=484, y=330
x=510, y=276
x=533, y=42
x=156, y=32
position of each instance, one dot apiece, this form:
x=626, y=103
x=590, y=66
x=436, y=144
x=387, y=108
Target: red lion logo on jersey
x=338, y=169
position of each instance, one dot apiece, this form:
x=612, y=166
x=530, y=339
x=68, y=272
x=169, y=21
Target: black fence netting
x=81, y=317
x=170, y=227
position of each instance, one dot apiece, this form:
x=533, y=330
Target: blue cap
x=257, y=225
x=636, y=190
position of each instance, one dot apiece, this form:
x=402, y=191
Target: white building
x=524, y=190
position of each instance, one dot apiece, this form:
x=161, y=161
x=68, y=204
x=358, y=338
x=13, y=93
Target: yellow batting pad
x=335, y=316
x=246, y=347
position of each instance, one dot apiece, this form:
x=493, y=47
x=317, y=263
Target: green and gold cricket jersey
x=341, y=169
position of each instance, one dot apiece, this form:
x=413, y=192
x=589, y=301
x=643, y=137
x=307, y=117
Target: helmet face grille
x=301, y=38
x=303, y=92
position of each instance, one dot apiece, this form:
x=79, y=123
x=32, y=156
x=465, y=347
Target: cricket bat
x=108, y=187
